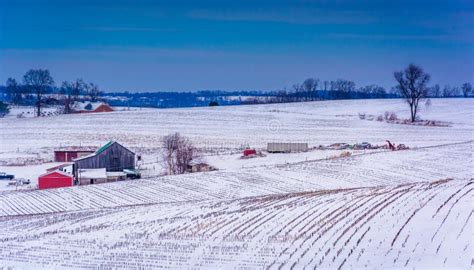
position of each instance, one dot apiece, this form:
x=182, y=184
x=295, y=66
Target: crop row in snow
x=410, y=225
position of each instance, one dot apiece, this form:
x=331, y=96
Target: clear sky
x=235, y=45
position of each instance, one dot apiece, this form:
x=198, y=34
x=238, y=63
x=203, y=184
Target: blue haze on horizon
x=143, y=45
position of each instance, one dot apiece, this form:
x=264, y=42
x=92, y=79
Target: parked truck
x=5, y=176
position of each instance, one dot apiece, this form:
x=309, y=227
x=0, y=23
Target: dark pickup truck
x=6, y=176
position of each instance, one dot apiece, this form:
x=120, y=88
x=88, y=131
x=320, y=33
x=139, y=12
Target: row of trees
x=38, y=83
x=450, y=91
x=315, y=89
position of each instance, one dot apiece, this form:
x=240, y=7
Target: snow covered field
x=375, y=209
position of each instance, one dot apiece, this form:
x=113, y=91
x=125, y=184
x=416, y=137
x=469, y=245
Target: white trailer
x=287, y=147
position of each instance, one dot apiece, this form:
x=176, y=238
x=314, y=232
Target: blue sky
x=235, y=45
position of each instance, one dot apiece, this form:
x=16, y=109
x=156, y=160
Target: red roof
x=58, y=172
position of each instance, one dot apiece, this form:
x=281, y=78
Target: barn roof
x=57, y=171
x=76, y=149
x=52, y=169
x=87, y=106
x=102, y=149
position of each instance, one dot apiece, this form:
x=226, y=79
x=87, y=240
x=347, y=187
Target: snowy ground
x=375, y=209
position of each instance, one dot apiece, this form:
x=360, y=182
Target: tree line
x=313, y=89
x=37, y=86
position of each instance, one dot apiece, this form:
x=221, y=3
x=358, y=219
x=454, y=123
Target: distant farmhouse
x=91, y=107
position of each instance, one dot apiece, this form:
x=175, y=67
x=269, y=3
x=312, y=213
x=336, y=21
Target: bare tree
x=178, y=151
x=449, y=91
x=412, y=85
x=298, y=88
x=93, y=91
x=373, y=90
x=14, y=91
x=310, y=85
x=466, y=89
x=38, y=81
x=435, y=91
x=71, y=91
x=325, y=85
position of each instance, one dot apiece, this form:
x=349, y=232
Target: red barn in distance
x=55, y=179
x=91, y=107
x=70, y=153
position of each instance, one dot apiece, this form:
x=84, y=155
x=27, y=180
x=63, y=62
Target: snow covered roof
x=102, y=149
x=92, y=173
x=76, y=149
x=67, y=164
x=116, y=174
x=197, y=162
x=57, y=171
x=86, y=105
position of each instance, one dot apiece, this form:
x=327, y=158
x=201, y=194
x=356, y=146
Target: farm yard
x=317, y=209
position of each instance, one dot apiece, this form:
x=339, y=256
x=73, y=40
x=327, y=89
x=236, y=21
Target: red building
x=54, y=179
x=67, y=155
x=249, y=152
x=91, y=107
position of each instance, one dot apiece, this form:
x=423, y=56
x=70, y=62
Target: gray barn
x=112, y=156
x=287, y=147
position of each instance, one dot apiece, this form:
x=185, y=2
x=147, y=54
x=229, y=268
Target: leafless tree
x=310, y=85
x=342, y=85
x=14, y=91
x=178, y=151
x=71, y=91
x=373, y=90
x=93, y=91
x=38, y=81
x=412, y=85
x=449, y=91
x=435, y=91
x=325, y=85
x=466, y=89
x=298, y=88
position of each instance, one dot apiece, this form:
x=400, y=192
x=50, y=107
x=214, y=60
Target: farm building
x=112, y=156
x=91, y=107
x=91, y=176
x=196, y=166
x=287, y=147
x=68, y=154
x=55, y=179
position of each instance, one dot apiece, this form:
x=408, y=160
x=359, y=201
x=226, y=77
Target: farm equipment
x=395, y=147
x=19, y=182
x=132, y=174
x=251, y=153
